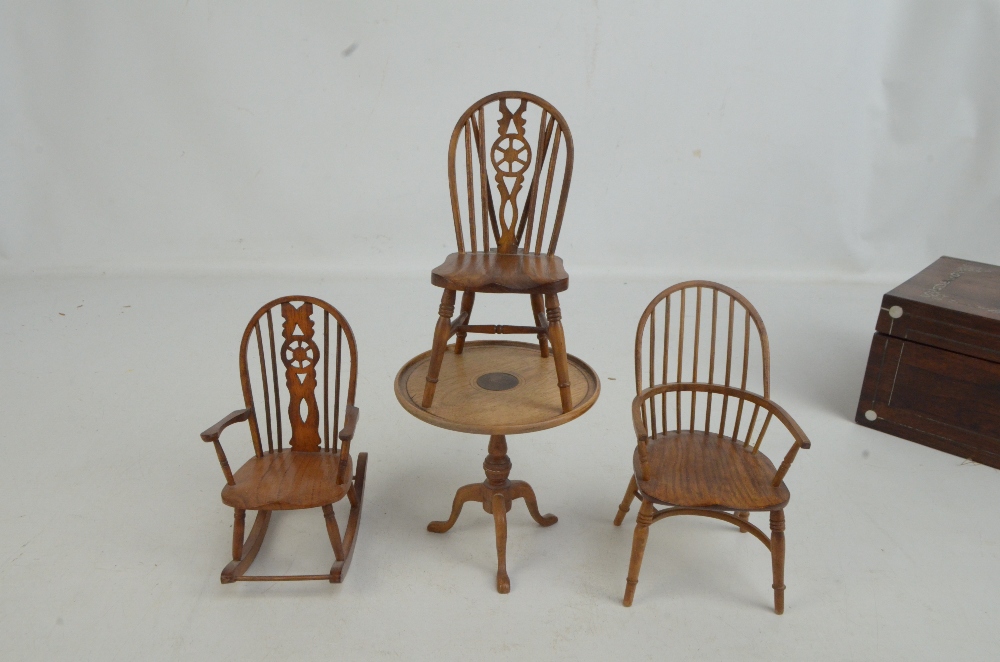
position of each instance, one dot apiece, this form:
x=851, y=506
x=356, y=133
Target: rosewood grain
x=312, y=472
x=933, y=373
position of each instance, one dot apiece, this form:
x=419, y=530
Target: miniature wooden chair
x=699, y=466
x=516, y=263
x=311, y=472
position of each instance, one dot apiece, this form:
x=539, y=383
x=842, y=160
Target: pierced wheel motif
x=298, y=354
x=511, y=155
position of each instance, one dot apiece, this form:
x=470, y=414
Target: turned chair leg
x=558, y=349
x=538, y=309
x=441, y=334
x=239, y=527
x=645, y=518
x=627, y=501
x=333, y=531
x=245, y=551
x=468, y=299
x=778, y=559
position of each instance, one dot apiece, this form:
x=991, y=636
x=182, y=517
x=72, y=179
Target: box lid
x=953, y=304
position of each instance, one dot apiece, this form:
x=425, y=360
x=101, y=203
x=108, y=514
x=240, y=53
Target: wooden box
x=933, y=373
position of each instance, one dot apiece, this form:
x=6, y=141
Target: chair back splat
x=700, y=331
x=514, y=152
x=287, y=365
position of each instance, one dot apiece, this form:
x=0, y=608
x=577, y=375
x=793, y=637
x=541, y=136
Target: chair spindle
x=528, y=217
x=267, y=399
x=274, y=377
x=550, y=177
x=326, y=380
x=652, y=364
x=763, y=430
x=753, y=423
x=711, y=357
x=480, y=135
x=666, y=357
x=729, y=365
x=694, y=366
x=336, y=389
x=469, y=184
x=680, y=356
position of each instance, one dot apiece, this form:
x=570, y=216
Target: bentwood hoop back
x=507, y=224
x=698, y=427
x=499, y=209
x=299, y=398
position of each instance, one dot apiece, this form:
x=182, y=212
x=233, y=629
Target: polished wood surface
x=933, y=373
x=518, y=273
x=513, y=179
x=309, y=470
x=699, y=430
x=706, y=470
x=496, y=387
x=955, y=291
x=497, y=494
x=464, y=406
x=288, y=480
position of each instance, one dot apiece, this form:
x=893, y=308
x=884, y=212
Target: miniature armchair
x=698, y=442
x=509, y=176
x=311, y=471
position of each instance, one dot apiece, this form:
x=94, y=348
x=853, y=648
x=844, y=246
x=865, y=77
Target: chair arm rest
x=212, y=435
x=350, y=423
x=238, y=416
x=801, y=440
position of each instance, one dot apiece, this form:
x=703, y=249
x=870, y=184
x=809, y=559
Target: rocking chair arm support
x=212, y=435
x=346, y=435
x=345, y=453
x=642, y=434
x=350, y=423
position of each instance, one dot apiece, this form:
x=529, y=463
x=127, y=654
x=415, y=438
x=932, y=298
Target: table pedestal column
x=496, y=493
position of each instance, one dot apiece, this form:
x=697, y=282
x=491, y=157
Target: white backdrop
x=826, y=140
x=767, y=145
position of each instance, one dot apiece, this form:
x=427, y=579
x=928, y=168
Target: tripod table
x=496, y=388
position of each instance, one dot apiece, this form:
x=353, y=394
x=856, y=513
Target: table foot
x=497, y=494
x=521, y=490
x=465, y=494
x=499, y=504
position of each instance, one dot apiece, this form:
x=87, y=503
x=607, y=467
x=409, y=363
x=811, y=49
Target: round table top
x=496, y=387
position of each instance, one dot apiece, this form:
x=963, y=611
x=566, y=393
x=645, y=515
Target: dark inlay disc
x=498, y=381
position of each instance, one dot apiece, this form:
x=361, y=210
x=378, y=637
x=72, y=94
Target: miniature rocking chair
x=516, y=264
x=311, y=472
x=698, y=456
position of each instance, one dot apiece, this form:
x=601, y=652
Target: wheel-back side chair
x=513, y=185
x=696, y=422
x=308, y=470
